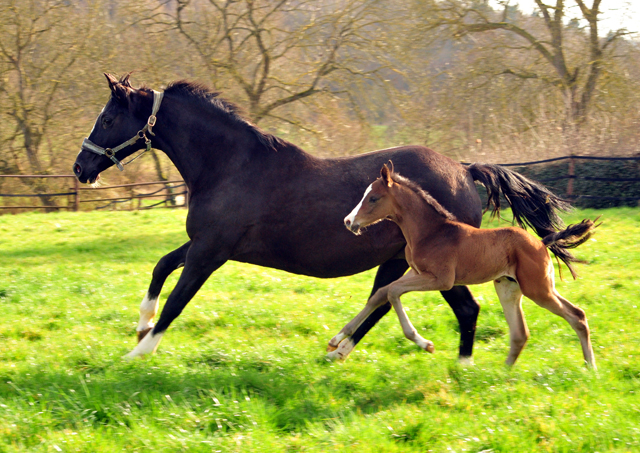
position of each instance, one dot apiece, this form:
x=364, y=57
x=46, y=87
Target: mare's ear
x=385, y=174
x=390, y=165
x=119, y=89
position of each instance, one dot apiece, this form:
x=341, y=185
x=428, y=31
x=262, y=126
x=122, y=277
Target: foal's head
x=376, y=204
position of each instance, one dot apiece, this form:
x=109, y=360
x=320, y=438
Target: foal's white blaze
x=148, y=309
x=351, y=217
x=147, y=345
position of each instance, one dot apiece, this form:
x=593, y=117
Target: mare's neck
x=200, y=144
x=415, y=216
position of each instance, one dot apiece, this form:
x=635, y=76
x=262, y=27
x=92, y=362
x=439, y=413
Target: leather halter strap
x=111, y=152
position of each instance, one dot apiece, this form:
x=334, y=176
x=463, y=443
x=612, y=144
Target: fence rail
x=167, y=191
x=75, y=198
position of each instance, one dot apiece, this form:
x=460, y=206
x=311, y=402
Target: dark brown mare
x=256, y=198
x=443, y=252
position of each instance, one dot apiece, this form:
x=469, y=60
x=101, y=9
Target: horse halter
x=111, y=152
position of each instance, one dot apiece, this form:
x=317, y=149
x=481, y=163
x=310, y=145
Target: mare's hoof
x=430, y=347
x=465, y=360
x=142, y=334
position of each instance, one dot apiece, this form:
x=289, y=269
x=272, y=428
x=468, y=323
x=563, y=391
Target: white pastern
x=335, y=341
x=351, y=217
x=147, y=345
x=343, y=350
x=465, y=361
x=148, y=309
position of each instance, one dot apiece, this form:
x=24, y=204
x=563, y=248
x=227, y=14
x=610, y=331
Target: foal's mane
x=209, y=98
x=426, y=196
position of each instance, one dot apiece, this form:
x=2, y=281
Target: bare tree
x=278, y=52
x=576, y=75
x=37, y=48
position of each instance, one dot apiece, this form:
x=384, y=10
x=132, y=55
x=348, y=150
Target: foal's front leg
x=412, y=281
x=341, y=345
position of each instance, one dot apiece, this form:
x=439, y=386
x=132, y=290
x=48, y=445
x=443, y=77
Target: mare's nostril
x=347, y=223
x=77, y=169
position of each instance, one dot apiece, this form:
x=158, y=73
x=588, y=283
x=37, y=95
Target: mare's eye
x=373, y=199
x=107, y=122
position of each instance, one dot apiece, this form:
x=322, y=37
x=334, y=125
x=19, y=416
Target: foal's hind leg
x=576, y=318
x=149, y=306
x=510, y=297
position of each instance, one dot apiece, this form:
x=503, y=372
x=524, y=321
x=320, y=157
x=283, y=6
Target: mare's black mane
x=209, y=98
x=426, y=196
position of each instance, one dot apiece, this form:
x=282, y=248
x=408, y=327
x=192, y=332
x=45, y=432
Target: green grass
x=243, y=368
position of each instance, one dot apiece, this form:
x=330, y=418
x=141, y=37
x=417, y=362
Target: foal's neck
x=415, y=216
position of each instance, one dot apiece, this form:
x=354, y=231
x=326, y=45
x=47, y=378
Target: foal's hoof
x=143, y=333
x=429, y=347
x=342, y=351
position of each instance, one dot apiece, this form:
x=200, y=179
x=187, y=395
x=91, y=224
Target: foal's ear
x=385, y=174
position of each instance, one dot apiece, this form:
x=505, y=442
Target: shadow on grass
x=290, y=394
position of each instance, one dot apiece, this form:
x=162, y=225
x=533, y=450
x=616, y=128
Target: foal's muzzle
x=352, y=226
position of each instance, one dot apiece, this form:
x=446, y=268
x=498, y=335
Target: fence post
x=76, y=199
x=572, y=172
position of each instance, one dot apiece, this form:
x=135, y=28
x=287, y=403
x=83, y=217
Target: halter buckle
x=152, y=121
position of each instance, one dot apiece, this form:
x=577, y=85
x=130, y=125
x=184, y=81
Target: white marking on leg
x=147, y=345
x=148, y=309
x=343, y=350
x=351, y=217
x=335, y=341
x=465, y=360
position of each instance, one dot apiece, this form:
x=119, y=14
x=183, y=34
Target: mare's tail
x=570, y=238
x=532, y=204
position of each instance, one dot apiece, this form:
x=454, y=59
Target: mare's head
x=126, y=113
x=376, y=204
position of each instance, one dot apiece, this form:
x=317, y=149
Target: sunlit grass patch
x=243, y=368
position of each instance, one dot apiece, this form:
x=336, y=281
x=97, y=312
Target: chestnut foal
x=443, y=252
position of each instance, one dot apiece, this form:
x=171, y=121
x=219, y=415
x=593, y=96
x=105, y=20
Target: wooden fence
x=599, y=182
x=74, y=197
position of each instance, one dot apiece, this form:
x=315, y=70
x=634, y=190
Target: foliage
x=243, y=368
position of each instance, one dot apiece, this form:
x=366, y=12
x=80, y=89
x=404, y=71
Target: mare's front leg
x=149, y=306
x=200, y=262
x=412, y=282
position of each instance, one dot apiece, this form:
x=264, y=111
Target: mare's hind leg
x=510, y=297
x=149, y=306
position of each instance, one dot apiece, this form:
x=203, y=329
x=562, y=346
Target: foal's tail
x=570, y=238
x=532, y=204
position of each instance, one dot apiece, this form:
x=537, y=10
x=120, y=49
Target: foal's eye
x=107, y=122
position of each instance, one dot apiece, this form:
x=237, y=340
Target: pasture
x=243, y=368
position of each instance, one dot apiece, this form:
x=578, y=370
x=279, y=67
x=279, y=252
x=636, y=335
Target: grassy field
x=243, y=368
